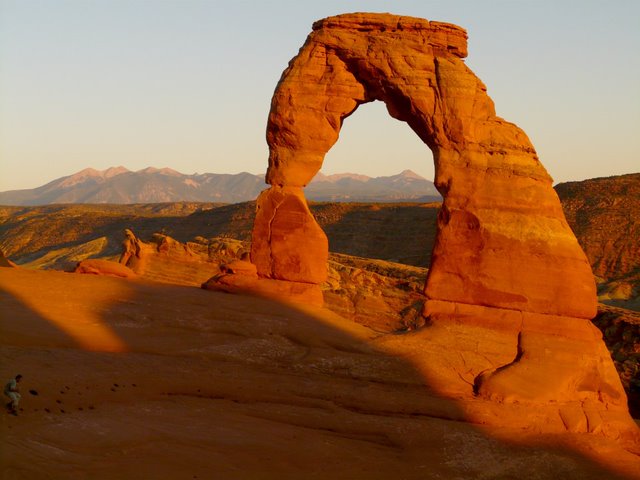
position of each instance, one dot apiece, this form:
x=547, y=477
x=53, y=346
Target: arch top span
x=438, y=34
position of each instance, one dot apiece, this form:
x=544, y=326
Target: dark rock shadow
x=402, y=233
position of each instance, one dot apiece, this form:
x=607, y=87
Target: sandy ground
x=134, y=380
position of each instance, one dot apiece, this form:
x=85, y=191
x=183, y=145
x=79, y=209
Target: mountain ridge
x=119, y=185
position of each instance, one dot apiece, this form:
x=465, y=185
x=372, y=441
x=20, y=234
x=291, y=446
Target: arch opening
x=371, y=137
x=379, y=226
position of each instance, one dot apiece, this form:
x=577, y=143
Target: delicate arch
x=502, y=237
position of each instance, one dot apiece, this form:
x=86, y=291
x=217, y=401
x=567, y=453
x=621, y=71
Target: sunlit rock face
x=509, y=289
x=96, y=266
x=503, y=240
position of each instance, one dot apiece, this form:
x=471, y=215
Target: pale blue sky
x=187, y=84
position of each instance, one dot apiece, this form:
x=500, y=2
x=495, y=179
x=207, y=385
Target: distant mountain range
x=118, y=185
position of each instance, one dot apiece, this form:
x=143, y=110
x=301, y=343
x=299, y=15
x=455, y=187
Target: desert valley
x=131, y=371
x=483, y=326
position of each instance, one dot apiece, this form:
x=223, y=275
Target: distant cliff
x=604, y=213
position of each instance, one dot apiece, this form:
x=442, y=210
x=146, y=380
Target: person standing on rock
x=11, y=390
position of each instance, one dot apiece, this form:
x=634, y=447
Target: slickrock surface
x=138, y=380
x=505, y=260
x=384, y=296
x=365, y=230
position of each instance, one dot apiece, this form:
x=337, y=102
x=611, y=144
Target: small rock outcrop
x=164, y=259
x=241, y=276
x=509, y=286
x=384, y=296
x=95, y=266
x=4, y=261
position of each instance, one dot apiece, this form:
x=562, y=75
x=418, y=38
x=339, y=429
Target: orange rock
x=503, y=240
x=167, y=260
x=505, y=263
x=5, y=262
x=287, y=242
x=240, y=267
x=104, y=267
x=545, y=367
x=284, y=290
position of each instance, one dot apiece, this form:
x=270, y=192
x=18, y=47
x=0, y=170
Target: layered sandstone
x=164, y=259
x=503, y=241
x=508, y=282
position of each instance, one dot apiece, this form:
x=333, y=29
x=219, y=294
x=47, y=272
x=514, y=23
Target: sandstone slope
x=137, y=380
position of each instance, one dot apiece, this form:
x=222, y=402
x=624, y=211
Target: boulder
x=96, y=266
x=240, y=267
x=287, y=242
x=282, y=290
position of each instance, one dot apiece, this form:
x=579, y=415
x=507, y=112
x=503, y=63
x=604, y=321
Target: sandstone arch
x=508, y=286
x=503, y=240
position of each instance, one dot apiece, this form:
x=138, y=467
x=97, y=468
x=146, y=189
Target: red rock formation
x=505, y=260
x=503, y=241
x=97, y=266
x=4, y=261
x=241, y=276
x=282, y=290
x=287, y=242
x=166, y=260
